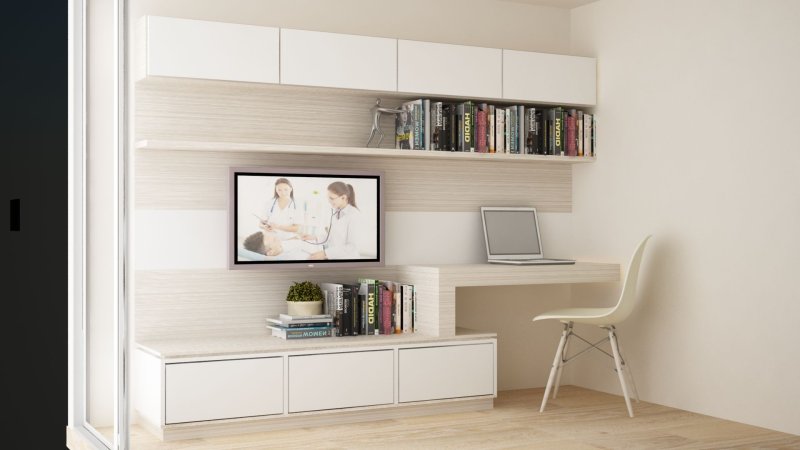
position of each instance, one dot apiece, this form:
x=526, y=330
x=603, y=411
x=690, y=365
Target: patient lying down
x=264, y=243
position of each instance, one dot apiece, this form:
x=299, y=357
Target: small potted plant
x=304, y=298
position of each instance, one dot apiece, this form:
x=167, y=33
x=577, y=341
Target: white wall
x=697, y=111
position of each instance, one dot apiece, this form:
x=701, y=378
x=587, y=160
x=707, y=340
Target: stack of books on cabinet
x=287, y=326
x=483, y=128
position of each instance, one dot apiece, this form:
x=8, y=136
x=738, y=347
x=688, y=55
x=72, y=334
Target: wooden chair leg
x=554, y=369
x=618, y=363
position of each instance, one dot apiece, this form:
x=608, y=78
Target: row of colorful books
x=368, y=307
x=480, y=127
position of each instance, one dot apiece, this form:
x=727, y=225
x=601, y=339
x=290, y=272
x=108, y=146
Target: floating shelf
x=353, y=151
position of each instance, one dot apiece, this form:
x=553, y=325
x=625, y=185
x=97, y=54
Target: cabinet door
x=341, y=380
x=432, y=373
x=544, y=77
x=312, y=58
x=210, y=50
x=224, y=389
x=445, y=69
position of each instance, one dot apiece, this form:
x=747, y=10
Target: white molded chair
x=605, y=318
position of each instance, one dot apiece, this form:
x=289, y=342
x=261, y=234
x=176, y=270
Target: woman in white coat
x=339, y=239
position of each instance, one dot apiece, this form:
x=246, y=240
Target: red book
x=572, y=134
x=480, y=129
x=386, y=311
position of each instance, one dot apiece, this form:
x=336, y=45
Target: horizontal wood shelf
x=151, y=144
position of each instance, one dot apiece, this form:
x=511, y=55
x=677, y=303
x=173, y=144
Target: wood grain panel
x=199, y=180
x=198, y=303
x=220, y=112
x=206, y=110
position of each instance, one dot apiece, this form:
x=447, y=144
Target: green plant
x=304, y=291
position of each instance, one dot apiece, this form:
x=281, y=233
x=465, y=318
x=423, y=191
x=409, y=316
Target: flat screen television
x=284, y=217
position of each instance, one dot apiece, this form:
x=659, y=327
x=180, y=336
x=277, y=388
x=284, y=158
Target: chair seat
x=592, y=316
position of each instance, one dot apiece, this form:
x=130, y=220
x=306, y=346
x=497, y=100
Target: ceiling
x=564, y=4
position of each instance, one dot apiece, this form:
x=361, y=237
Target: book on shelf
x=481, y=114
x=300, y=333
x=403, y=130
x=426, y=124
x=333, y=302
x=520, y=130
x=407, y=297
x=490, y=138
x=439, y=124
x=452, y=126
x=570, y=135
x=307, y=317
x=579, y=137
x=500, y=130
x=368, y=294
x=298, y=324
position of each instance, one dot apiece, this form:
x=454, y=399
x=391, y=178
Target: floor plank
x=578, y=419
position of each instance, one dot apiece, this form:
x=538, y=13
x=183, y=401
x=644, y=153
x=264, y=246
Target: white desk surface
x=508, y=274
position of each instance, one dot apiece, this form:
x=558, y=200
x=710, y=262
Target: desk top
x=508, y=274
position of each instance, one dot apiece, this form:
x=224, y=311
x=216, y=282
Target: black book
x=452, y=127
x=533, y=127
x=460, y=127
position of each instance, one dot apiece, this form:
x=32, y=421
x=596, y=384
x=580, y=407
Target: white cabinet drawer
x=312, y=58
x=341, y=380
x=544, y=77
x=432, y=373
x=446, y=69
x=223, y=389
x=210, y=50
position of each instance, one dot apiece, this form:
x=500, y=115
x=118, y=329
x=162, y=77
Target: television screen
x=290, y=217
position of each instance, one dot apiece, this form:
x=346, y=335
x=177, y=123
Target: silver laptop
x=512, y=236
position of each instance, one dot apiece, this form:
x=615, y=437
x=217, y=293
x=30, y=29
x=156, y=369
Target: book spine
x=452, y=120
x=594, y=135
x=426, y=121
x=300, y=334
x=417, y=116
x=480, y=128
x=460, y=127
x=570, y=143
x=521, y=129
x=500, y=130
x=397, y=314
x=438, y=124
x=579, y=137
x=355, y=321
x=407, y=317
x=386, y=311
x=413, y=309
x=372, y=309
x=362, y=307
x=305, y=325
x=345, y=321
x=490, y=134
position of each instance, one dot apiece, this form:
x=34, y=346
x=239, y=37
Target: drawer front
x=432, y=373
x=341, y=380
x=311, y=58
x=223, y=389
x=446, y=69
x=211, y=50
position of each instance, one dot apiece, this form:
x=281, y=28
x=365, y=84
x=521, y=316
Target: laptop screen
x=511, y=232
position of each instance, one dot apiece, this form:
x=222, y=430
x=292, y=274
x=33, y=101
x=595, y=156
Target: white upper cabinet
x=311, y=58
x=544, y=77
x=446, y=69
x=210, y=50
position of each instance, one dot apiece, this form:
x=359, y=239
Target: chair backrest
x=627, y=299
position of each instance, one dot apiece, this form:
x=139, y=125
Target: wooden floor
x=578, y=419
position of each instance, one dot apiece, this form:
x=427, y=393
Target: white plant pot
x=304, y=308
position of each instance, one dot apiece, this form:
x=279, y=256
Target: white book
x=288, y=318
x=587, y=134
x=500, y=130
x=490, y=118
x=408, y=323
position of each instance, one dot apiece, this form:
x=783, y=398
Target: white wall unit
x=212, y=50
x=312, y=58
x=446, y=372
x=341, y=380
x=446, y=69
x=212, y=390
x=545, y=77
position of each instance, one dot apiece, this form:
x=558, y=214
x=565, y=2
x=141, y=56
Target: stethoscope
x=275, y=201
x=336, y=213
